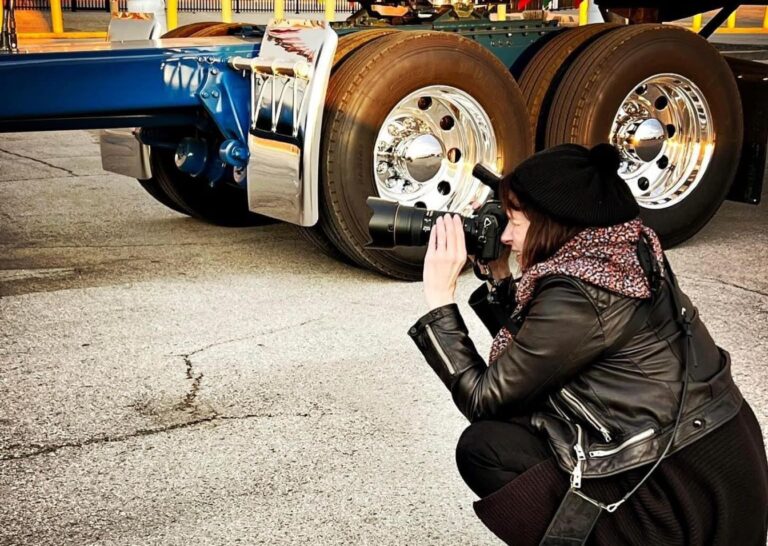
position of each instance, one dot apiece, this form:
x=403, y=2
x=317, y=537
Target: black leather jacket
x=582, y=376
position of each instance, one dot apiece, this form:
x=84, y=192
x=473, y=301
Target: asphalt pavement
x=164, y=381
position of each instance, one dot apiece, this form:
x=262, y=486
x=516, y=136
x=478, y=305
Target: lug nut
x=425, y=103
x=643, y=183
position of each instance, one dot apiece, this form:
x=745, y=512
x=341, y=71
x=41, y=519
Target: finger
x=439, y=230
x=476, y=205
x=450, y=234
x=432, y=241
x=458, y=238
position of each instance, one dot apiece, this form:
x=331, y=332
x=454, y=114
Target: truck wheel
x=411, y=131
x=316, y=234
x=545, y=70
x=152, y=187
x=222, y=204
x=670, y=105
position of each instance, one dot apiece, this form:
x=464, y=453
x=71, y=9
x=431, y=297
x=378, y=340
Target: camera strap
x=574, y=520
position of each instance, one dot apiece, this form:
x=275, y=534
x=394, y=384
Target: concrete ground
x=164, y=381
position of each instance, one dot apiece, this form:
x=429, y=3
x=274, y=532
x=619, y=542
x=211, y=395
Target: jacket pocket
x=632, y=440
x=580, y=409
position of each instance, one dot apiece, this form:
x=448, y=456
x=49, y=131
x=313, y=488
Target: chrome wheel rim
x=427, y=146
x=666, y=138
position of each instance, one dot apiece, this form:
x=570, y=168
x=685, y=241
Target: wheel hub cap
x=427, y=146
x=646, y=140
x=420, y=157
x=666, y=137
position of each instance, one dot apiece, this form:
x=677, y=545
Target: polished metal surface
x=289, y=79
x=427, y=146
x=122, y=153
x=666, y=136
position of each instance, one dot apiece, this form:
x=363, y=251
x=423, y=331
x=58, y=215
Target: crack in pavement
x=188, y=402
x=725, y=283
x=44, y=450
x=71, y=173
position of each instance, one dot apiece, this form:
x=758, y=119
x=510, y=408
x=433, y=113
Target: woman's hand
x=446, y=257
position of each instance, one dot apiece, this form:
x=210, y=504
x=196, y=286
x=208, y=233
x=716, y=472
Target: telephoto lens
x=393, y=224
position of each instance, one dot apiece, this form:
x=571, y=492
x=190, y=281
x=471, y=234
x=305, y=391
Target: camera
x=393, y=224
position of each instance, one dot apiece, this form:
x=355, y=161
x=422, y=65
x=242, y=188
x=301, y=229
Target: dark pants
x=490, y=454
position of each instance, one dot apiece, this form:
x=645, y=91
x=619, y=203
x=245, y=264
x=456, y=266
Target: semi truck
x=300, y=121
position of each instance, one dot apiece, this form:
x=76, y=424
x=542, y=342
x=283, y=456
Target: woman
x=603, y=388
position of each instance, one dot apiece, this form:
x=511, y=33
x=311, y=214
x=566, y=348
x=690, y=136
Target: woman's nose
x=506, y=235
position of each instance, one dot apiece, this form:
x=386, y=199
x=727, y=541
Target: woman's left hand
x=446, y=258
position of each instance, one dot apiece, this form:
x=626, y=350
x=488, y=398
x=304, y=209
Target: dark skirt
x=714, y=491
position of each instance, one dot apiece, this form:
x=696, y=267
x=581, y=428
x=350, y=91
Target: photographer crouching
x=606, y=413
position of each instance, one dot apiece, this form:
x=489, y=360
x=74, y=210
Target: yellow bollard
x=501, y=12
x=226, y=11
x=57, y=21
x=279, y=9
x=732, y=20
x=583, y=12
x=696, y=26
x=330, y=10
x=765, y=18
x=172, y=13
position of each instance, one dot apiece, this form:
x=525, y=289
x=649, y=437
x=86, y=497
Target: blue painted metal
x=232, y=152
x=192, y=156
x=125, y=87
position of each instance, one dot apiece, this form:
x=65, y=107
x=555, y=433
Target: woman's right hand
x=499, y=268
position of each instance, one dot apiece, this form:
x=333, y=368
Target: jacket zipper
x=630, y=441
x=558, y=409
x=582, y=410
x=440, y=351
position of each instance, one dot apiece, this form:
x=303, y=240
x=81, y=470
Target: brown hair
x=545, y=235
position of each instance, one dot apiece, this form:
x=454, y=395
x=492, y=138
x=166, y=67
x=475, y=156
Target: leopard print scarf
x=602, y=256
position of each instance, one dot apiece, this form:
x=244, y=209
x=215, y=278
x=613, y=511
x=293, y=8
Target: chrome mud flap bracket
x=289, y=80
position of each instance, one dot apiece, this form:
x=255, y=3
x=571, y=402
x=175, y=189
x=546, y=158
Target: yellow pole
x=696, y=23
x=583, y=12
x=501, y=12
x=279, y=9
x=765, y=18
x=732, y=20
x=330, y=10
x=172, y=9
x=226, y=11
x=57, y=20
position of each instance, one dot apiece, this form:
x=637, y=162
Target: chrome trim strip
x=284, y=137
x=633, y=440
x=122, y=153
x=440, y=351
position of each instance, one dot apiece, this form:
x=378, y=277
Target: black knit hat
x=575, y=185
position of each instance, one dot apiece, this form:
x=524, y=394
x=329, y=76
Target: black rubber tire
x=542, y=75
x=222, y=205
x=152, y=187
x=361, y=94
x=316, y=235
x=611, y=67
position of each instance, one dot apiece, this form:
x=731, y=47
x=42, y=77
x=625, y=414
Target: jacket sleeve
x=560, y=336
x=494, y=312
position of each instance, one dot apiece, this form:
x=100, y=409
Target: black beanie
x=575, y=185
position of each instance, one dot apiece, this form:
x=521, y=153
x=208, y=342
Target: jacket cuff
x=437, y=335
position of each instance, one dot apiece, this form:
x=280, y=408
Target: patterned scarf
x=604, y=256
